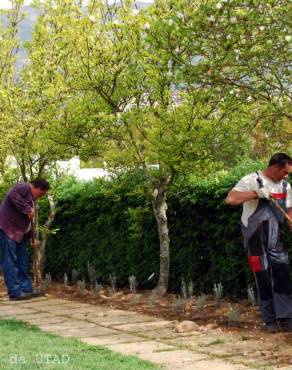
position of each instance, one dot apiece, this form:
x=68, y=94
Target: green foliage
x=96, y=224
x=5, y=186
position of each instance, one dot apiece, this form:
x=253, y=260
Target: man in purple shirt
x=16, y=213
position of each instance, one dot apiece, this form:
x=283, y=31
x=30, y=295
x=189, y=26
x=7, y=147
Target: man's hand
x=263, y=193
x=31, y=214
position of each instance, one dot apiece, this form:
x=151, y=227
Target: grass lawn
x=23, y=346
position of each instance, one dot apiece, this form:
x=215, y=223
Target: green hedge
x=111, y=226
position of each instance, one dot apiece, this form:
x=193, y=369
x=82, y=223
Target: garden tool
x=34, y=256
x=280, y=209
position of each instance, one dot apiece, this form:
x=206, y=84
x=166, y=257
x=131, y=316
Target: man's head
x=280, y=166
x=39, y=187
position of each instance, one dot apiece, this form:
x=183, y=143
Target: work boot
x=23, y=296
x=285, y=324
x=37, y=293
x=271, y=327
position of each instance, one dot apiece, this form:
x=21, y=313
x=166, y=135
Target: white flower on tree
x=92, y=18
x=211, y=18
x=135, y=12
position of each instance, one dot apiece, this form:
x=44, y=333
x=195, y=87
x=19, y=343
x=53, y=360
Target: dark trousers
x=15, y=266
x=272, y=275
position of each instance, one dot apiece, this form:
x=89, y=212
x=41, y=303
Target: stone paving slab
x=113, y=339
x=161, y=353
x=102, y=316
x=62, y=310
x=196, y=340
x=35, y=315
x=45, y=320
x=78, y=305
x=119, y=321
x=208, y=365
x=242, y=360
x=65, y=330
x=146, y=347
x=173, y=359
x=43, y=304
x=110, y=312
x=41, y=301
x=5, y=308
x=162, y=334
x=15, y=311
x=70, y=324
x=87, y=332
x=144, y=326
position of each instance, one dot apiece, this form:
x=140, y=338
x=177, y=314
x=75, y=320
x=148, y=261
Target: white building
x=72, y=168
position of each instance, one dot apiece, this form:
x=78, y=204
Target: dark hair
x=40, y=184
x=280, y=159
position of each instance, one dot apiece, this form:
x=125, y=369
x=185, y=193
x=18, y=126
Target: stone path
x=148, y=337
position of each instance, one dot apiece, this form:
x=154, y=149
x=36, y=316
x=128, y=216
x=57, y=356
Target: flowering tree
x=130, y=101
x=246, y=53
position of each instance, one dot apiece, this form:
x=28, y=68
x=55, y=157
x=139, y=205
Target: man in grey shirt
x=263, y=231
x=16, y=213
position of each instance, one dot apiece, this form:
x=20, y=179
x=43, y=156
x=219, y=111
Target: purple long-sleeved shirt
x=14, y=210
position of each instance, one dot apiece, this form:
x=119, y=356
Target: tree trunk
x=22, y=168
x=160, y=211
x=41, y=250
